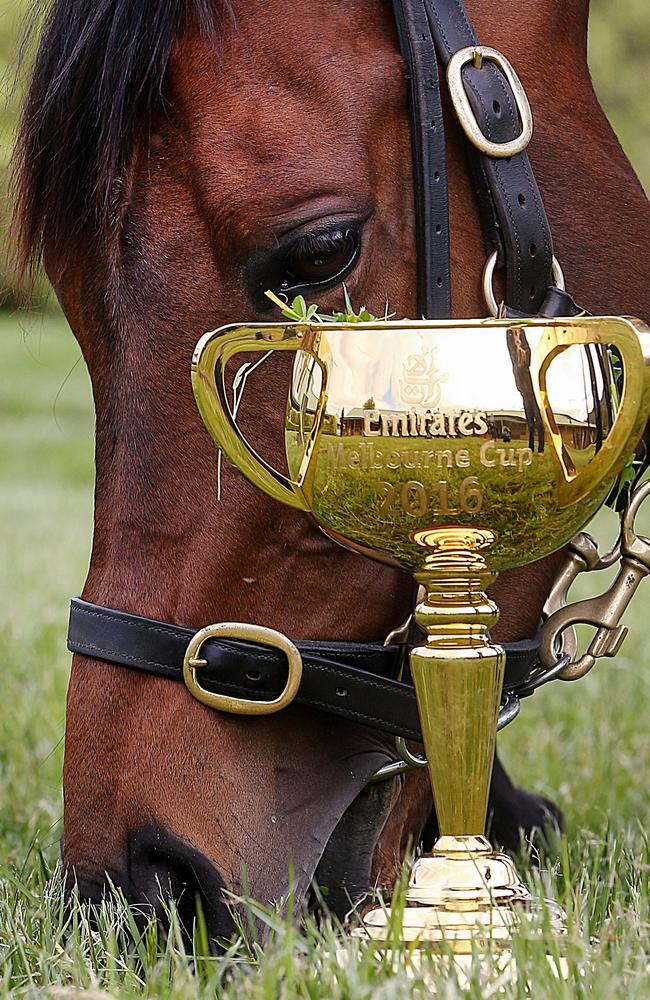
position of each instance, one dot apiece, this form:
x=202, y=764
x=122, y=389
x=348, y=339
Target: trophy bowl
x=395, y=428
x=454, y=450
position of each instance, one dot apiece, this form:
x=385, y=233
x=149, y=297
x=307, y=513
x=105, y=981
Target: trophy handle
x=632, y=411
x=211, y=356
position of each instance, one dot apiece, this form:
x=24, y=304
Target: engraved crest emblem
x=420, y=384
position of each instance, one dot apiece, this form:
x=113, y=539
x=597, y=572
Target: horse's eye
x=318, y=260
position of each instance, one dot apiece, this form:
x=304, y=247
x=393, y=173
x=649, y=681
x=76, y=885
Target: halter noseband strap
x=353, y=680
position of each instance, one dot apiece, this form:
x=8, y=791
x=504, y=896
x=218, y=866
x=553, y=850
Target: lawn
x=587, y=745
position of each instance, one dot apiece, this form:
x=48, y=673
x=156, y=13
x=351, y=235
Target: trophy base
x=464, y=902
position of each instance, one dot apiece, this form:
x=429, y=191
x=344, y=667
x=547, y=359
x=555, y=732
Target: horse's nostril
x=163, y=867
x=160, y=867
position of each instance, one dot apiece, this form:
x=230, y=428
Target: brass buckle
x=478, y=54
x=251, y=633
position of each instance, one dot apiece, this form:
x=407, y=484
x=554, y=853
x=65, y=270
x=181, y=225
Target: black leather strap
x=349, y=679
x=429, y=161
x=556, y=303
x=511, y=208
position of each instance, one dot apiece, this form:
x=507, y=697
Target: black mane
x=98, y=74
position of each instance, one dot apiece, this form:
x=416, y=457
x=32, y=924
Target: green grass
x=586, y=745
x=46, y=504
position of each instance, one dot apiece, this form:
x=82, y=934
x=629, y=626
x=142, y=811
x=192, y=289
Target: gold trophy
x=454, y=450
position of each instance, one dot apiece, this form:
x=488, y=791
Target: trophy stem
x=460, y=896
x=458, y=677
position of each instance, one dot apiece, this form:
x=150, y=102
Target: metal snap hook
x=605, y=611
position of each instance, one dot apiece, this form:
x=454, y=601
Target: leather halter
x=353, y=680
x=368, y=682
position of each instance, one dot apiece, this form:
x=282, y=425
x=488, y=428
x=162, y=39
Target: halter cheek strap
x=493, y=113
x=429, y=161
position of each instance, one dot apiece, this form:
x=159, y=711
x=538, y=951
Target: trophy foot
x=460, y=895
x=463, y=905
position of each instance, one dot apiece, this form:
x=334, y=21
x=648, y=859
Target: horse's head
x=178, y=160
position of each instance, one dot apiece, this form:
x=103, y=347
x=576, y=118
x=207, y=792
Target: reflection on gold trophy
x=454, y=450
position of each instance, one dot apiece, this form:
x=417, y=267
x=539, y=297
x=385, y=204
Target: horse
x=174, y=161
